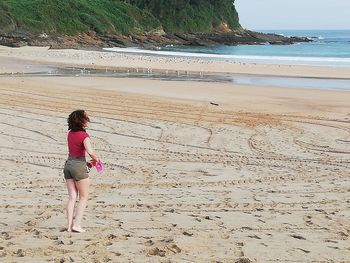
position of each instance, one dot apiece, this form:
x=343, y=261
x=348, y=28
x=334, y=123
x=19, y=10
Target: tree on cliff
x=191, y=15
x=115, y=16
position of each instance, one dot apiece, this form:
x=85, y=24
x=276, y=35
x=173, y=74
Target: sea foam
x=314, y=61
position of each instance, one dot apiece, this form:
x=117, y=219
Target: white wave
x=333, y=61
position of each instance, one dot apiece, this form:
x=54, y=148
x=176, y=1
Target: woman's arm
x=89, y=149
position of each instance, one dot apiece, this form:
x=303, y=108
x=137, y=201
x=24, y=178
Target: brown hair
x=76, y=120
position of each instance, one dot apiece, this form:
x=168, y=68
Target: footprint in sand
x=187, y=234
x=174, y=248
x=156, y=252
x=20, y=253
x=304, y=250
x=149, y=243
x=59, y=242
x=255, y=236
x=239, y=251
x=243, y=260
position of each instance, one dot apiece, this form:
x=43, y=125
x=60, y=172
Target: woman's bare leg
x=82, y=187
x=72, y=197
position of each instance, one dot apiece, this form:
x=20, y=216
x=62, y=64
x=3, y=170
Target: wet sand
x=99, y=59
x=195, y=172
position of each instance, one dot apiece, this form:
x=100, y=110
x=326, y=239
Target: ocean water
x=328, y=48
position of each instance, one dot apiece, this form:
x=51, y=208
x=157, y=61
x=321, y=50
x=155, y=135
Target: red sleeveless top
x=76, y=146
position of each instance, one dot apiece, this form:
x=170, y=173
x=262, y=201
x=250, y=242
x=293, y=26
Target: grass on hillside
x=191, y=15
x=72, y=17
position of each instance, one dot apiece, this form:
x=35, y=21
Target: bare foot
x=78, y=230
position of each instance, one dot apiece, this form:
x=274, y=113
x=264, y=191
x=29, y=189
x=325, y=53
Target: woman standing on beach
x=75, y=169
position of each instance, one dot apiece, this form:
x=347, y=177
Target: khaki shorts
x=75, y=168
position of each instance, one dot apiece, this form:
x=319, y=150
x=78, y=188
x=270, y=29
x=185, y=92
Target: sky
x=294, y=14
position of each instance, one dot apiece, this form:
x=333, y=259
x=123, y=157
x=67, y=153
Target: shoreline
x=41, y=61
x=100, y=59
x=294, y=82
x=249, y=59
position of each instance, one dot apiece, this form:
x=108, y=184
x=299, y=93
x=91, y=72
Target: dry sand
x=262, y=176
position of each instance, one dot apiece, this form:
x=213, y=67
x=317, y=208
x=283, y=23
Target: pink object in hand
x=99, y=167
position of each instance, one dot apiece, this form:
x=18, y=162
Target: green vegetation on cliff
x=7, y=23
x=72, y=17
x=191, y=15
x=115, y=16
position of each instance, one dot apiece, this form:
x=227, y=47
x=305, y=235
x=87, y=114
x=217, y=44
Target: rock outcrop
x=92, y=40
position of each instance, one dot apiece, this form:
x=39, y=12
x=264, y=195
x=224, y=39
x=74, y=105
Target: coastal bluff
x=128, y=23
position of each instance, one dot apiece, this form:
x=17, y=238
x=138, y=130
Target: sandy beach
x=195, y=171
